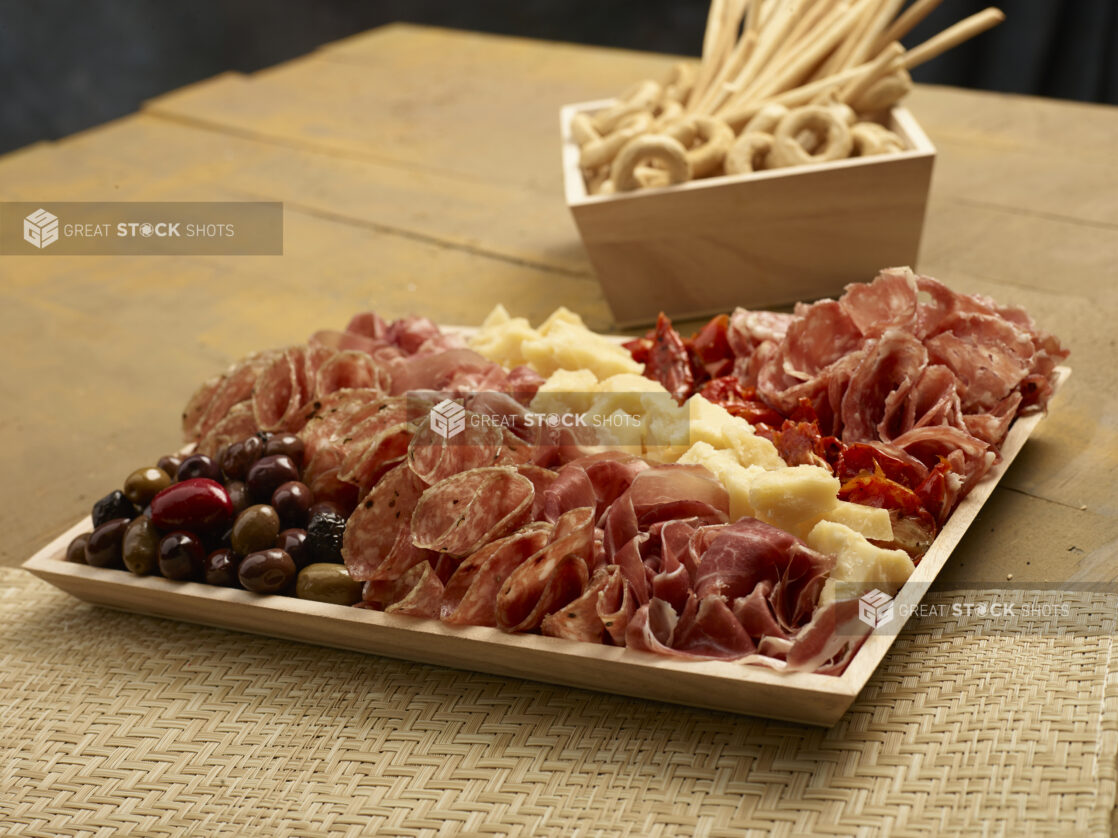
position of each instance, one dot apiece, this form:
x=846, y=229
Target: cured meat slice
x=989, y=357
x=379, y=439
x=889, y=302
x=410, y=333
x=276, y=389
x=237, y=424
x=542, y=480
x=367, y=323
x=672, y=582
x=749, y=329
x=888, y=371
x=422, y=600
x=235, y=387
x=470, y=597
x=616, y=605
x=454, y=370
x=929, y=444
x=711, y=631
x=829, y=641
x=372, y=531
x=668, y=361
x=992, y=427
x=652, y=629
x=466, y=511
x=554, y=576
x=579, y=620
x=435, y=457
x=325, y=417
x=824, y=334
x=664, y=492
x=350, y=370
x=523, y=383
x=281, y=391
x=755, y=612
x=196, y=407
x=749, y=552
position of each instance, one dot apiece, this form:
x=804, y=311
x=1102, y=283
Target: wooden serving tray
x=738, y=688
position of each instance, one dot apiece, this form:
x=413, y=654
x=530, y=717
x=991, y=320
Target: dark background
x=68, y=64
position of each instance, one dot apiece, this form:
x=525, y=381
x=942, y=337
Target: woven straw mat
x=118, y=724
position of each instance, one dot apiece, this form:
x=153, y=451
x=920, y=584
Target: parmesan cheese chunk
x=562, y=342
x=860, y=566
x=793, y=498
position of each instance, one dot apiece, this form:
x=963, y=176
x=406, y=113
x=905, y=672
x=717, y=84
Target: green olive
x=140, y=546
x=255, y=529
x=145, y=483
x=327, y=583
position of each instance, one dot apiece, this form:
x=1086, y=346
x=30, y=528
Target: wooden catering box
x=757, y=240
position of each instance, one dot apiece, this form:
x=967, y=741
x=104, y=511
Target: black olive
x=113, y=505
x=324, y=537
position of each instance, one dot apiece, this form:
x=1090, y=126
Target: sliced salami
x=579, y=620
x=464, y=512
x=372, y=530
x=422, y=600
x=196, y=407
x=435, y=457
x=238, y=423
x=553, y=577
x=470, y=597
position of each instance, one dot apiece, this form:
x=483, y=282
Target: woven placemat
x=113, y=723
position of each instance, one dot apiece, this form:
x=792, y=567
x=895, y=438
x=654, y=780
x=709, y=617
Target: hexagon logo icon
x=875, y=608
x=40, y=228
x=448, y=418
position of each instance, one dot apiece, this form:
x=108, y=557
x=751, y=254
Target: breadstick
x=906, y=22
x=952, y=36
x=837, y=27
x=862, y=46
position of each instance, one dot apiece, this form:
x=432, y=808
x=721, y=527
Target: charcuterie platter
x=417, y=492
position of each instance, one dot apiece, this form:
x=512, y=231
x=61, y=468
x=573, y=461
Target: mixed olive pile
x=242, y=519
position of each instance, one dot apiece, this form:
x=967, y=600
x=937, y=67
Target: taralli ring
x=869, y=139
x=767, y=119
x=748, y=153
x=643, y=96
x=583, y=130
x=828, y=135
x=714, y=138
x=666, y=150
x=604, y=149
x=679, y=83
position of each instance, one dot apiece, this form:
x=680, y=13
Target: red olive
x=194, y=504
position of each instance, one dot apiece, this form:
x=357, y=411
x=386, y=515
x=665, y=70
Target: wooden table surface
x=419, y=171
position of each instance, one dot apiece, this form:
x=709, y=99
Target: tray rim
x=739, y=688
